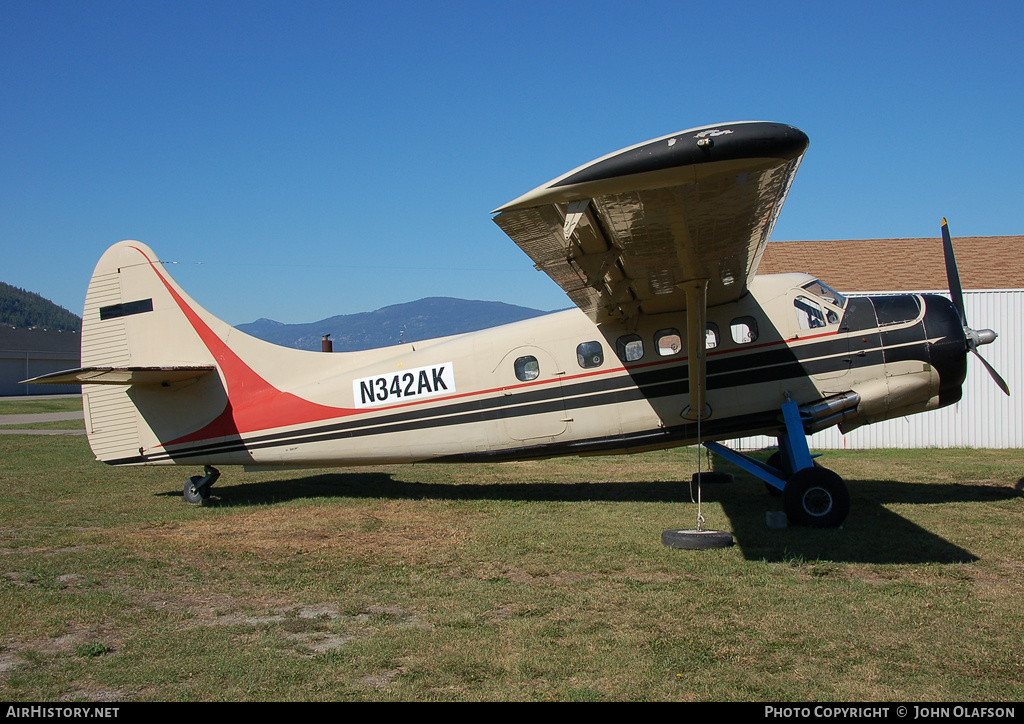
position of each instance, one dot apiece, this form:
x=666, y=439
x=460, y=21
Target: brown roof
x=868, y=265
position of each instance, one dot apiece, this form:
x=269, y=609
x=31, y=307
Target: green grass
x=48, y=425
x=521, y=582
x=29, y=405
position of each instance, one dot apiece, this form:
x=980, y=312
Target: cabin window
x=711, y=336
x=590, y=354
x=668, y=342
x=744, y=330
x=629, y=347
x=527, y=368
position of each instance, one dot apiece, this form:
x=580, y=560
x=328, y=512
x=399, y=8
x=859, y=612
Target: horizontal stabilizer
x=122, y=376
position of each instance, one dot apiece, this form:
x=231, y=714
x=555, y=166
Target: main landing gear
x=811, y=495
x=197, y=489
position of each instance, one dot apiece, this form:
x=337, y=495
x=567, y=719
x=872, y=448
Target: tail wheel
x=816, y=497
x=195, y=492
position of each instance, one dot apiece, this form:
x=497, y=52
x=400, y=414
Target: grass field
x=520, y=581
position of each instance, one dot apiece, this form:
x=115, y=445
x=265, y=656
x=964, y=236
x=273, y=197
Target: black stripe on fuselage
x=665, y=380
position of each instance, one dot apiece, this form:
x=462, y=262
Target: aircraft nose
x=947, y=346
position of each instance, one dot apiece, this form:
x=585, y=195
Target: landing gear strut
x=197, y=489
x=811, y=495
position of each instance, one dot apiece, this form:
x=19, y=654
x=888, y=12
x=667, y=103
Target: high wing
x=624, y=234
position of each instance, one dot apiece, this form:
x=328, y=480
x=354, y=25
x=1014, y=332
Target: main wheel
x=816, y=497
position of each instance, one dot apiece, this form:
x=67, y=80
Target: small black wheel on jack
x=696, y=539
x=816, y=497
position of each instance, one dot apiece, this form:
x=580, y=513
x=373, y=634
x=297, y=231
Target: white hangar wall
x=984, y=417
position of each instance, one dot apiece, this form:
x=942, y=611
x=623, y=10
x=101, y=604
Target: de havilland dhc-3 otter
x=675, y=340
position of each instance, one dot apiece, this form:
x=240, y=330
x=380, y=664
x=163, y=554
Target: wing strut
x=696, y=291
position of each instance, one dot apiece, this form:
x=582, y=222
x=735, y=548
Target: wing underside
x=624, y=234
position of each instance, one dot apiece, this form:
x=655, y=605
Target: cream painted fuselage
x=553, y=385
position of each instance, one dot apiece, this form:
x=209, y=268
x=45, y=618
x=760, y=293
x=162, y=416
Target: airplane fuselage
x=561, y=384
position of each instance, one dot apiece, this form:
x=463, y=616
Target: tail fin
x=137, y=346
x=130, y=321
x=148, y=351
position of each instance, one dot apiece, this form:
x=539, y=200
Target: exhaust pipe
x=828, y=412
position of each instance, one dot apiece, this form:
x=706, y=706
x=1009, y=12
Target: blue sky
x=304, y=159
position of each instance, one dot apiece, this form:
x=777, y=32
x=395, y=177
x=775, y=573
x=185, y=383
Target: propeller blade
x=952, y=275
x=995, y=375
x=956, y=293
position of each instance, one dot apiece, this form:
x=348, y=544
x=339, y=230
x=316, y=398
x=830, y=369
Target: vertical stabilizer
x=131, y=320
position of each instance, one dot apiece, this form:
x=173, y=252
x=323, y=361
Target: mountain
x=409, y=322
x=19, y=308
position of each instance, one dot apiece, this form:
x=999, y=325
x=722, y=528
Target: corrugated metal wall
x=984, y=418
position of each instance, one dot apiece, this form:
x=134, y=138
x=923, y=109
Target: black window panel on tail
x=126, y=309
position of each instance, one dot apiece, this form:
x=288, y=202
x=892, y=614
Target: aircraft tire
x=816, y=497
x=193, y=494
x=696, y=539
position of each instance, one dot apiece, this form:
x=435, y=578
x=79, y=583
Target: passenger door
x=530, y=382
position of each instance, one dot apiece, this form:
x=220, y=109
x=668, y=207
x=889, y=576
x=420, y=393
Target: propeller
x=975, y=338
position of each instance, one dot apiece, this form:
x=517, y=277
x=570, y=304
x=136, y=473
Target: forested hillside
x=19, y=308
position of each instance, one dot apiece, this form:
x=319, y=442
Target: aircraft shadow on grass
x=872, y=534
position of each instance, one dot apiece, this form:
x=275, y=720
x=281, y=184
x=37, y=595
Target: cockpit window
x=820, y=289
x=811, y=315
